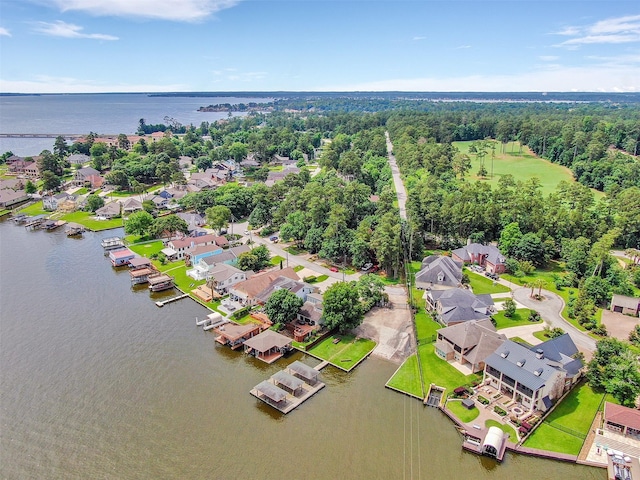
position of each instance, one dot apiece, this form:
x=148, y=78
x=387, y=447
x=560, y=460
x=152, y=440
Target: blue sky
x=60, y=46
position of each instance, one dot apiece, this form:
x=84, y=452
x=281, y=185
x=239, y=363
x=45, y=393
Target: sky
x=73, y=46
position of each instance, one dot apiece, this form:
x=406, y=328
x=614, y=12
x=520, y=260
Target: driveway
x=391, y=328
x=401, y=192
x=525, y=332
x=618, y=325
x=549, y=308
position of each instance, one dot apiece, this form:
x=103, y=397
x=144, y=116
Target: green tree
x=94, y=202
x=60, y=147
x=118, y=178
x=30, y=187
x=50, y=181
x=168, y=226
x=296, y=227
x=509, y=307
x=218, y=217
x=614, y=369
x=255, y=259
x=341, y=307
x=509, y=239
x=138, y=223
x=385, y=242
x=575, y=253
x=283, y=306
x=238, y=151
x=371, y=290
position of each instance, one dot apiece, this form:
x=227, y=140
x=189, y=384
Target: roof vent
x=538, y=372
x=520, y=363
x=539, y=353
x=505, y=354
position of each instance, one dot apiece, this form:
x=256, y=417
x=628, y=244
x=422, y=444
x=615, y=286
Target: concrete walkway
x=550, y=308
x=525, y=332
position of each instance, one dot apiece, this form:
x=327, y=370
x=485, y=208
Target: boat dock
x=34, y=222
x=112, y=243
x=52, y=224
x=74, y=229
x=162, y=303
x=288, y=388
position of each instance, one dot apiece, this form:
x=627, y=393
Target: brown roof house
x=487, y=256
x=253, y=290
x=468, y=343
x=110, y=210
x=622, y=420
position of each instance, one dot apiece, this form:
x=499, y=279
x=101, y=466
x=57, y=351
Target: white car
x=246, y=232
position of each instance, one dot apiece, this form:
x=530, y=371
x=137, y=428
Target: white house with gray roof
x=536, y=377
x=439, y=273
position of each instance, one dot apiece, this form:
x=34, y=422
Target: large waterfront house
x=110, y=210
x=439, y=273
x=10, y=197
x=207, y=258
x=487, y=256
x=468, y=343
x=78, y=159
x=249, y=291
x=535, y=378
x=226, y=276
x=186, y=245
x=131, y=205
x=52, y=202
x=87, y=176
x=458, y=305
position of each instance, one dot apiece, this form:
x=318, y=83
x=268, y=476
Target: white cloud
x=419, y=37
x=609, y=31
x=548, y=58
x=48, y=84
x=68, y=30
x=4, y=32
x=178, y=10
x=462, y=47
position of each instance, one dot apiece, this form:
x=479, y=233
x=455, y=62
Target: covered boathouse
x=268, y=346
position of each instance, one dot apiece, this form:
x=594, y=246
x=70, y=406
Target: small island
x=238, y=107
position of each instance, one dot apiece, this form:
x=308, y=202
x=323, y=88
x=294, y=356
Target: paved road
x=401, y=192
x=549, y=310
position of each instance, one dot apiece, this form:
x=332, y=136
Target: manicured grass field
x=297, y=268
x=147, y=249
x=275, y=261
x=425, y=325
x=513, y=437
x=521, y=317
x=464, y=414
x=575, y=414
x=88, y=220
x=81, y=191
x=34, y=209
x=407, y=378
x=345, y=354
x=523, y=166
x=483, y=285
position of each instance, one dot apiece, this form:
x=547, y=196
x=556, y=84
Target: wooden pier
x=162, y=303
x=74, y=229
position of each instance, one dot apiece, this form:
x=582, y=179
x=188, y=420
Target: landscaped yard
x=483, y=285
x=426, y=327
x=275, y=261
x=147, y=249
x=34, y=209
x=88, y=220
x=344, y=354
x=520, y=317
x=434, y=370
x=464, y=414
x=565, y=429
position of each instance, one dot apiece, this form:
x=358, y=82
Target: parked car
x=366, y=267
x=334, y=269
x=491, y=275
x=273, y=238
x=246, y=232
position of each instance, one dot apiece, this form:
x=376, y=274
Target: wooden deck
x=291, y=401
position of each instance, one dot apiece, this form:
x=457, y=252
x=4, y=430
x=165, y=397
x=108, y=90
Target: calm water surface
x=100, y=113
x=98, y=382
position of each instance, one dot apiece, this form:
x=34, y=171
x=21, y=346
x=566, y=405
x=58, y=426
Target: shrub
x=242, y=312
x=526, y=267
x=483, y=400
x=500, y=411
x=534, y=316
x=601, y=331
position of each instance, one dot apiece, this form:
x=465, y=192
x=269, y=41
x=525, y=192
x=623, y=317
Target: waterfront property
x=121, y=257
x=622, y=420
x=249, y=291
x=457, y=305
x=288, y=388
x=234, y=335
x=160, y=282
x=268, y=346
x=534, y=379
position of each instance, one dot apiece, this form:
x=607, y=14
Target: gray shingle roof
x=506, y=358
x=439, y=270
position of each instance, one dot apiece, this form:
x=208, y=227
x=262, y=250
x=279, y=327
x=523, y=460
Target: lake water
x=96, y=382
x=99, y=113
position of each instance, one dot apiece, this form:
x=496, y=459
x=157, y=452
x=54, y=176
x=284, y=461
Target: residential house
x=177, y=192
x=202, y=181
x=626, y=305
x=185, y=246
x=458, y=305
x=185, y=162
x=12, y=183
x=226, y=276
x=487, y=256
x=32, y=170
x=18, y=165
x=622, y=420
x=110, y=210
x=439, y=273
x=78, y=159
x=247, y=292
x=194, y=220
x=10, y=197
x=536, y=377
x=159, y=202
x=52, y=202
x=208, y=257
x=131, y=205
x=300, y=289
x=83, y=176
x=234, y=335
x=468, y=343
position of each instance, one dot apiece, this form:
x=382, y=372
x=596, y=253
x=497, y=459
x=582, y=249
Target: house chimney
x=539, y=353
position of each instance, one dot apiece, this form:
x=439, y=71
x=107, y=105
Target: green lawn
x=575, y=414
x=34, y=209
x=87, y=219
x=521, y=317
x=425, y=325
x=81, y=191
x=345, y=354
x=483, y=285
x=521, y=341
x=513, y=437
x=275, y=261
x=147, y=249
x=297, y=268
x=464, y=414
x=523, y=166
x=407, y=378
